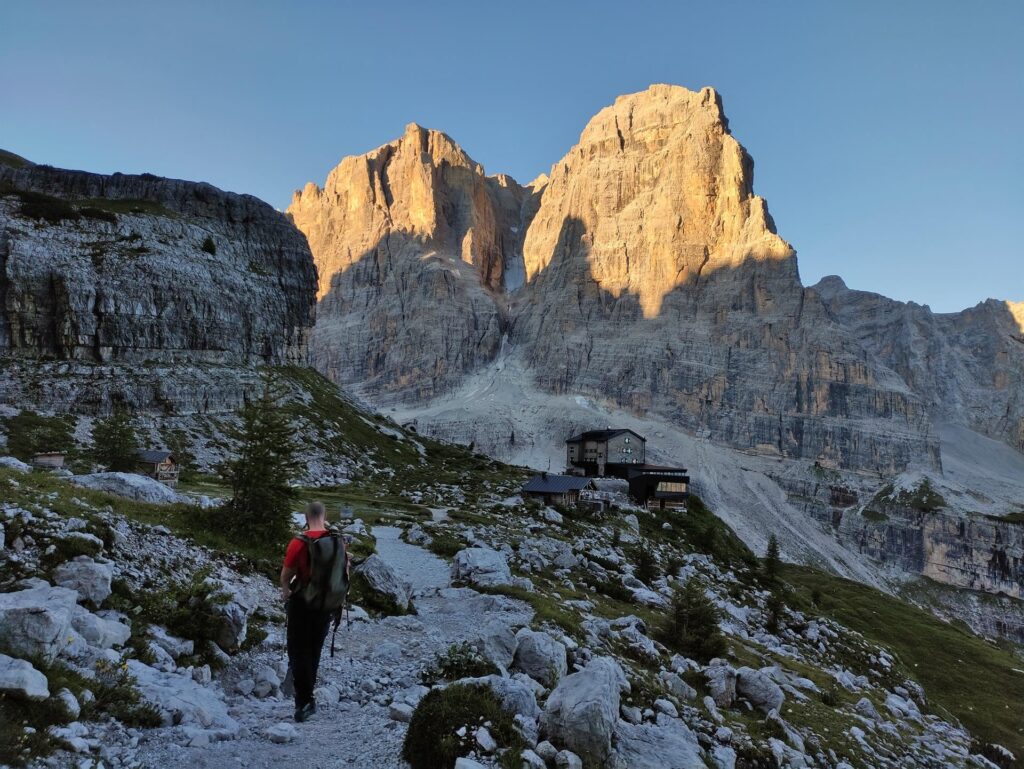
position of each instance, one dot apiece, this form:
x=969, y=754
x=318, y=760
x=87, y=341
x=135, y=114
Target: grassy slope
x=963, y=675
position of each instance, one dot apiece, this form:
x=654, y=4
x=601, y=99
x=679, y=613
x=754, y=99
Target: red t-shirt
x=297, y=555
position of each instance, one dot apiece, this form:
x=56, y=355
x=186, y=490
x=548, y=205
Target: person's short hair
x=316, y=510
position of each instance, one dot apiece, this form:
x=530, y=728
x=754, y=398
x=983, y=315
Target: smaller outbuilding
x=48, y=460
x=160, y=465
x=557, y=489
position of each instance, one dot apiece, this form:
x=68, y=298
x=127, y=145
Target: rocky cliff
x=654, y=279
x=145, y=289
x=967, y=367
x=411, y=241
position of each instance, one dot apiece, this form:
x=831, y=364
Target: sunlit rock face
x=660, y=194
x=657, y=281
x=106, y=279
x=967, y=367
x=411, y=241
x=642, y=271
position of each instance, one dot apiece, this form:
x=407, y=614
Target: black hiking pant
x=307, y=631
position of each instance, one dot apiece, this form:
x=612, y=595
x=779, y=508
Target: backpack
x=327, y=589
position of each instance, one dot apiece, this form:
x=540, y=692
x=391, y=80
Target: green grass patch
x=460, y=660
x=963, y=675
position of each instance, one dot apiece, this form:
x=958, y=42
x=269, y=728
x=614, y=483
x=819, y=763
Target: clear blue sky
x=887, y=135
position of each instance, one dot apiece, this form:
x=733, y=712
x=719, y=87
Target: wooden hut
x=160, y=465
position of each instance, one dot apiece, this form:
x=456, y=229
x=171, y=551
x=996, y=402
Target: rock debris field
x=376, y=662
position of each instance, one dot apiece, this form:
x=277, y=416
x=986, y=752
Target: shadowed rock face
x=652, y=277
x=967, y=367
x=127, y=272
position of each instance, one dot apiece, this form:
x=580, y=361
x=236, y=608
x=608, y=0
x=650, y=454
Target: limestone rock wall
x=642, y=271
x=121, y=273
x=411, y=241
x=967, y=367
x=657, y=280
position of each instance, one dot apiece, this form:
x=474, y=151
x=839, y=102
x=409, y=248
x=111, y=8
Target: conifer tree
x=261, y=472
x=692, y=626
x=115, y=443
x=772, y=562
x=646, y=564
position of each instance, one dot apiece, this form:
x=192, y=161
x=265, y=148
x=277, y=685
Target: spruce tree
x=692, y=625
x=261, y=472
x=772, y=562
x=646, y=564
x=115, y=443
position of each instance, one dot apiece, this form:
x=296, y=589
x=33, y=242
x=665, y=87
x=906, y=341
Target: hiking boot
x=303, y=713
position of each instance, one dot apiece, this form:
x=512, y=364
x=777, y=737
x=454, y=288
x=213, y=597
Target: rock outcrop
x=100, y=272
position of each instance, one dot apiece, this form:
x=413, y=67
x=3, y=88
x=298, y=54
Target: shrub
x=432, y=741
x=614, y=590
x=445, y=545
x=209, y=246
x=91, y=212
x=692, y=625
x=35, y=205
x=459, y=661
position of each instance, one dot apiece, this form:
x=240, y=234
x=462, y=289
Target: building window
x=672, y=487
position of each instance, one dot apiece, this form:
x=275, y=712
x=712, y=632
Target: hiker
x=314, y=585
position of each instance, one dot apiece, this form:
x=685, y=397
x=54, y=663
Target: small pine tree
x=646, y=564
x=692, y=625
x=772, y=562
x=261, y=472
x=115, y=443
x=774, y=607
x=209, y=246
x=512, y=439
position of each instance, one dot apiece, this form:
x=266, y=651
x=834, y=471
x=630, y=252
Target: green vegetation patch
x=460, y=660
x=433, y=742
x=29, y=433
x=963, y=675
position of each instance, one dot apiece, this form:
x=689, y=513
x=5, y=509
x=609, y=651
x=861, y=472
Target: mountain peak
x=660, y=193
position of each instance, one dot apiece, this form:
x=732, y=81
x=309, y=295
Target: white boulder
x=181, y=700
x=138, y=487
x=721, y=680
x=21, y=679
x=282, y=732
x=667, y=744
x=35, y=622
x=99, y=632
x=582, y=711
x=176, y=647
x=13, y=463
x=759, y=690
x=92, y=579
x=384, y=584
x=540, y=656
x=481, y=566
x=515, y=696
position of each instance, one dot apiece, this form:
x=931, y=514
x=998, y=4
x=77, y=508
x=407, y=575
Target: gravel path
x=374, y=660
